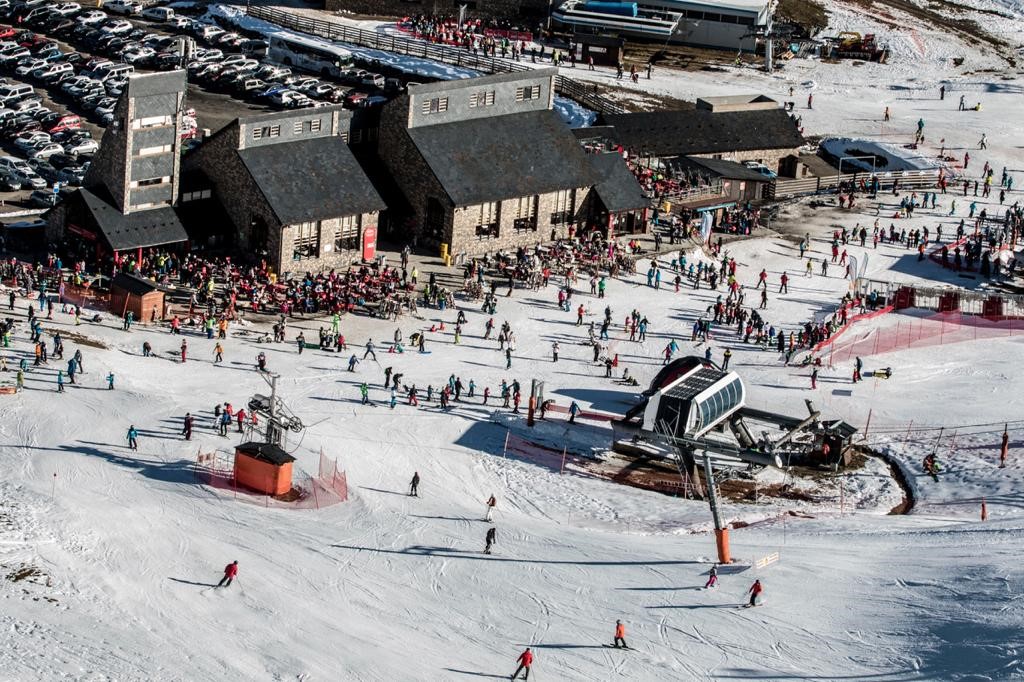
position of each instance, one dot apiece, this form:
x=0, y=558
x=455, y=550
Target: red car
x=7, y=32
x=66, y=122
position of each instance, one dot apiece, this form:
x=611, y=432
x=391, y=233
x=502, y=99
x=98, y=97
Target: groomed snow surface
x=108, y=555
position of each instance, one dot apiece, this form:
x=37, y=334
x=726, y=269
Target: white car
x=86, y=146
x=92, y=17
x=209, y=32
x=118, y=26
x=46, y=151
x=29, y=141
x=8, y=163
x=29, y=66
x=123, y=7
x=284, y=97
x=138, y=54
x=66, y=9
x=158, y=13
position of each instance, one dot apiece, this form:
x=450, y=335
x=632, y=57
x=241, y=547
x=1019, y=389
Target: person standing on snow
x=60, y=381
x=525, y=661
x=491, y=504
x=230, y=572
x=187, y=429
x=218, y=353
x=490, y=539
x=364, y=392
x=300, y=341
x=370, y=350
x=754, y=591
x=184, y=350
x=414, y=484
x=132, y=437
x=620, y=635
x=712, y=578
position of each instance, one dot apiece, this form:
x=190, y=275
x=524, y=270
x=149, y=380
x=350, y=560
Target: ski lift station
x=697, y=401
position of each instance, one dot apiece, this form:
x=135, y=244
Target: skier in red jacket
x=525, y=661
x=230, y=571
x=755, y=590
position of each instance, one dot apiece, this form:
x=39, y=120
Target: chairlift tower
x=279, y=419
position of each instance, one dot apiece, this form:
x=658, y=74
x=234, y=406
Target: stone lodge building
x=485, y=164
x=291, y=188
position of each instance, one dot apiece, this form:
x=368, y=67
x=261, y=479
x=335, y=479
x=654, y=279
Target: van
x=158, y=13
x=9, y=94
x=106, y=72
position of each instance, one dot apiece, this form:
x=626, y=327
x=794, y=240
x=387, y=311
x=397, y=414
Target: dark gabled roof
x=140, y=229
x=730, y=170
x=616, y=186
x=674, y=133
x=312, y=179
x=267, y=452
x=132, y=284
x=503, y=157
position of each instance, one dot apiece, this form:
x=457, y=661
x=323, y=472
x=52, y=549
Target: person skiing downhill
x=491, y=504
x=414, y=484
x=525, y=661
x=490, y=539
x=620, y=635
x=132, y=437
x=230, y=572
x=754, y=591
x=712, y=578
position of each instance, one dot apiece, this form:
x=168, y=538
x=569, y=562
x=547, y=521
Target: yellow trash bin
x=444, y=252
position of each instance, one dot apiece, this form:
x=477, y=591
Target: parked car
x=44, y=198
x=61, y=122
x=118, y=27
x=29, y=179
x=9, y=182
x=759, y=167
x=163, y=14
x=82, y=147
x=92, y=17
x=29, y=141
x=123, y=7
x=67, y=9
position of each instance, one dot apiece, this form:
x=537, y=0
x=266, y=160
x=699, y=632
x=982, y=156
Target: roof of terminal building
x=312, y=179
x=616, y=185
x=681, y=132
x=501, y=157
x=139, y=229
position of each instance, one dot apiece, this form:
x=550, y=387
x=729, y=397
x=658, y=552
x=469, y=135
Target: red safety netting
x=905, y=329
x=216, y=469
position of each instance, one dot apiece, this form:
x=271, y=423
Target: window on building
x=148, y=182
x=527, y=92
x=344, y=136
x=565, y=207
x=151, y=122
x=197, y=195
x=315, y=125
x=347, y=236
x=435, y=105
x=526, y=214
x=307, y=241
x=266, y=131
x=297, y=128
x=487, y=220
x=356, y=137
x=150, y=151
x=484, y=98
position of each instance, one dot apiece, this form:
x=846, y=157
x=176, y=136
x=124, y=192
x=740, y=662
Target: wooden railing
x=785, y=187
x=567, y=87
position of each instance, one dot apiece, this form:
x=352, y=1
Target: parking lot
x=75, y=62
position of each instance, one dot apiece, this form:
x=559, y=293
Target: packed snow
x=109, y=556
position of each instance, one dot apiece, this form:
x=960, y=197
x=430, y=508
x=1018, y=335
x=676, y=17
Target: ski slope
x=108, y=556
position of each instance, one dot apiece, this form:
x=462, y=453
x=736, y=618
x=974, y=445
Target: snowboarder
x=133, y=438
x=490, y=539
x=712, y=578
x=525, y=661
x=491, y=504
x=414, y=485
x=230, y=572
x=187, y=429
x=620, y=635
x=754, y=591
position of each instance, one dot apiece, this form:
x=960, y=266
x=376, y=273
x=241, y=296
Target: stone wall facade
x=465, y=240
x=327, y=256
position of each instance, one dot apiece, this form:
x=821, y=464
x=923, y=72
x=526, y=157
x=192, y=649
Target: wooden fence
x=784, y=187
x=566, y=87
